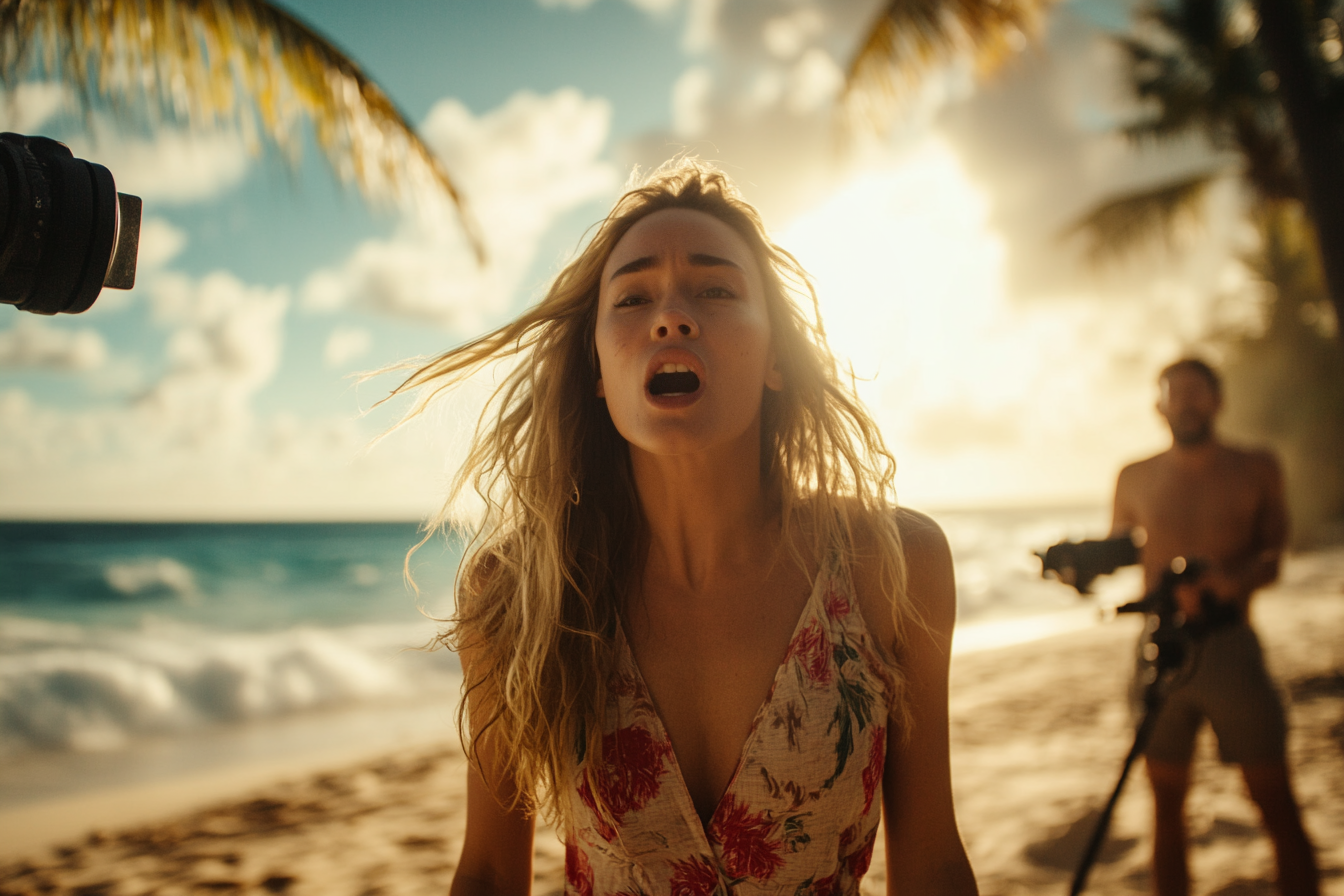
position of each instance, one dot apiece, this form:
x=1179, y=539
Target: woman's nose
x=673, y=319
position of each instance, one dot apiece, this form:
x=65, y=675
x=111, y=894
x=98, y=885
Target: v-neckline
x=684, y=792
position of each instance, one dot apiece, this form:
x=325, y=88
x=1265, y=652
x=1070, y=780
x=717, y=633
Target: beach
x=1039, y=731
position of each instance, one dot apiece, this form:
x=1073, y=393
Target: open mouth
x=674, y=379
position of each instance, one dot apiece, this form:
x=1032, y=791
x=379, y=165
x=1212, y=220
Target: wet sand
x=1039, y=731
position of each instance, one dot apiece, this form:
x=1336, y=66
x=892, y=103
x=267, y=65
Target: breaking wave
x=65, y=686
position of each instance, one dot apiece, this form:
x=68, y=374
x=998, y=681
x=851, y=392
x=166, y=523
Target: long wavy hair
x=562, y=535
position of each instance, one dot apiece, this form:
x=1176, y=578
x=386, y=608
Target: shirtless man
x=1202, y=499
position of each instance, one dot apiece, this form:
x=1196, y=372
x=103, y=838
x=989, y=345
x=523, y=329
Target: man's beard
x=1191, y=434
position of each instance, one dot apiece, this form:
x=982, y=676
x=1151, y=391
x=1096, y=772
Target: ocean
x=135, y=650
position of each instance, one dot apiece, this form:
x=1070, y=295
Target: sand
x=1039, y=731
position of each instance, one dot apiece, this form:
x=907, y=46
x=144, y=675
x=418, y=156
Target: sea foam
x=70, y=687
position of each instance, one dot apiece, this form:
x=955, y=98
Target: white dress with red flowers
x=800, y=813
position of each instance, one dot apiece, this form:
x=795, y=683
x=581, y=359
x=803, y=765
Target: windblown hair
x=562, y=536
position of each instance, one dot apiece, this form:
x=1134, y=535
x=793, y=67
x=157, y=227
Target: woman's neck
x=704, y=511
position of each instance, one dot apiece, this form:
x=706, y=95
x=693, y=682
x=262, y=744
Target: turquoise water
x=118, y=634
x=111, y=633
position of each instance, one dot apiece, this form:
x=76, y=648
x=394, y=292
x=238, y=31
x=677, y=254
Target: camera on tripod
x=1171, y=638
x=1080, y=563
x=65, y=231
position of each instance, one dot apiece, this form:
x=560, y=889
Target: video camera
x=1078, y=563
x=65, y=231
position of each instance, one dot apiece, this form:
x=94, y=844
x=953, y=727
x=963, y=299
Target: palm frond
x=1120, y=225
x=910, y=38
x=238, y=63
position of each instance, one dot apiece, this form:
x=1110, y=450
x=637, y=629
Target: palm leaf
x=910, y=38
x=239, y=63
x=1120, y=225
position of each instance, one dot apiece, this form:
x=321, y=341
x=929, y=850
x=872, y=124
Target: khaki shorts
x=1225, y=681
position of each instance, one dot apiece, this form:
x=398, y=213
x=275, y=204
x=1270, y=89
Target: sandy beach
x=1039, y=731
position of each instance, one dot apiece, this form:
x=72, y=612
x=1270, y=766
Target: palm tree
x=1295, y=100
x=1309, y=63
x=1202, y=74
x=238, y=63
x=909, y=39
x=1201, y=71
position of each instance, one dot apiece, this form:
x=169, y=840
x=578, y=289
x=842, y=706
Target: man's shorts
x=1225, y=681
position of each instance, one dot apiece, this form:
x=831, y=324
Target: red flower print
x=812, y=649
x=694, y=877
x=872, y=775
x=860, y=860
x=628, y=778
x=745, y=836
x=578, y=871
x=836, y=604
x=847, y=836
x=827, y=886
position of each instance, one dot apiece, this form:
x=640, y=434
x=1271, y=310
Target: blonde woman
x=695, y=632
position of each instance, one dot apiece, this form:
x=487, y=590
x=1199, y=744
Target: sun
x=984, y=398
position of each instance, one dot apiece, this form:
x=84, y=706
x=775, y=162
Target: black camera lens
x=65, y=231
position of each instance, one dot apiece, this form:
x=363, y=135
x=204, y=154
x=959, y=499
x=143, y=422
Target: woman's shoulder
x=926, y=585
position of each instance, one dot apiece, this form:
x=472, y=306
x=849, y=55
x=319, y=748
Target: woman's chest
x=709, y=662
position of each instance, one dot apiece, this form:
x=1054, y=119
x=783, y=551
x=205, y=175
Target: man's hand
x=1224, y=587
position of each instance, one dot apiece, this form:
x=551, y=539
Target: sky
x=1003, y=369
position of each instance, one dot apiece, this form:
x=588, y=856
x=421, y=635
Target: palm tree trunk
x=1315, y=122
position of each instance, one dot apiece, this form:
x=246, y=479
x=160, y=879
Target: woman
x=694, y=632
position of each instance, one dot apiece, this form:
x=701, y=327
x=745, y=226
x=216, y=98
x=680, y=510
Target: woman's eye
x=716, y=292
x=629, y=301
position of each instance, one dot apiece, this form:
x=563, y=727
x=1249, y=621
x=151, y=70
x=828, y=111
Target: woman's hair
x=562, y=537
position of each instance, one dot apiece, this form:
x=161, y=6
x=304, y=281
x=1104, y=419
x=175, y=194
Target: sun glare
x=982, y=400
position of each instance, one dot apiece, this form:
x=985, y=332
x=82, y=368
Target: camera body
x=1079, y=563
x=65, y=231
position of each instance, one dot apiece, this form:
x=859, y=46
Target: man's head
x=1191, y=396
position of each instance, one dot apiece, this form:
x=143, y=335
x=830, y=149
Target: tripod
x=1170, y=636
x=1170, y=656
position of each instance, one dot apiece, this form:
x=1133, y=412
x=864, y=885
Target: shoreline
x=1038, y=731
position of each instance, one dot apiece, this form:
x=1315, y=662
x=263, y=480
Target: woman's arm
x=497, y=850
x=925, y=854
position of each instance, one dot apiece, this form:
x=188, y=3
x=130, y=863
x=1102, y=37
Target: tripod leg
x=1152, y=703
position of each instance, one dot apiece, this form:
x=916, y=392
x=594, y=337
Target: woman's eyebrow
x=699, y=260
x=713, y=261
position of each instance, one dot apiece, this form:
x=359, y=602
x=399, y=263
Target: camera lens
x=65, y=232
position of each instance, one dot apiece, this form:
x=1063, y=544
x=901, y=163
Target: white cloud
x=526, y=163
x=33, y=343
x=786, y=36
x=28, y=107
x=172, y=166
x=767, y=111
x=649, y=6
x=689, y=96
x=701, y=25
x=654, y=7
x=225, y=345
x=345, y=344
x=160, y=242
x=814, y=82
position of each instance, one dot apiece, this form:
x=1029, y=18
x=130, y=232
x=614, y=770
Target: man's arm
x=1235, y=582
x=1124, y=513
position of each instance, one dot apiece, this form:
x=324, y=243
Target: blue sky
x=1001, y=369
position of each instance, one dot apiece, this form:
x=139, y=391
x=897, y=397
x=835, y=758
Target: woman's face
x=683, y=338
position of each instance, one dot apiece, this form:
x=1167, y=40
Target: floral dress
x=800, y=813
